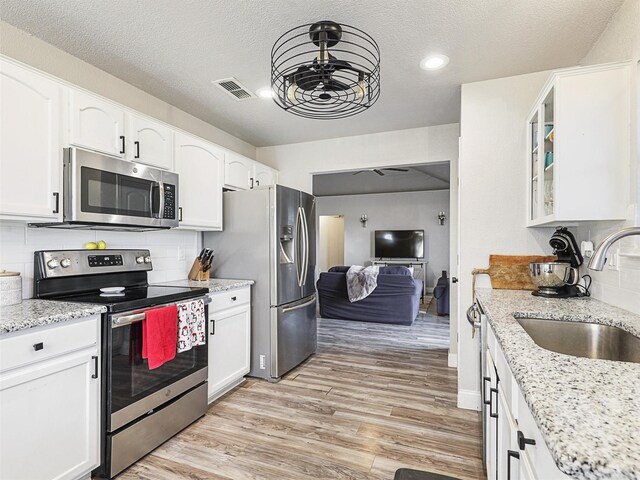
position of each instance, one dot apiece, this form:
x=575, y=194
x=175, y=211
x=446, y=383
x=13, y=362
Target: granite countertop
x=35, y=313
x=588, y=411
x=214, y=284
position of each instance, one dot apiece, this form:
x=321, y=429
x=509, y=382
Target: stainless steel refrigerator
x=269, y=236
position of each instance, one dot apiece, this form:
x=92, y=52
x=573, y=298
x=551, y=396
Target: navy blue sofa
x=396, y=299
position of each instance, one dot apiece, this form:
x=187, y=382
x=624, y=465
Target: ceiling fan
x=379, y=170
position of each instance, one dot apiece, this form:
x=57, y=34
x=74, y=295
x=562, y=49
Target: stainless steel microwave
x=103, y=192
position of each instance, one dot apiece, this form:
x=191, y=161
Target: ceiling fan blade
x=379, y=172
x=335, y=85
x=397, y=169
x=306, y=78
x=359, y=171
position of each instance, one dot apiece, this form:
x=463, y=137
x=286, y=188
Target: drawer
x=491, y=340
x=19, y=349
x=229, y=299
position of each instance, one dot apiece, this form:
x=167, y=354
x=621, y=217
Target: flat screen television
x=399, y=244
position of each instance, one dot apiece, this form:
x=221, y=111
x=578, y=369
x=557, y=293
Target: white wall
x=621, y=41
x=396, y=211
x=28, y=49
x=298, y=161
x=492, y=171
x=172, y=251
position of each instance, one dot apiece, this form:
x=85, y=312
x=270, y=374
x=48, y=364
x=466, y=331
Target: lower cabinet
x=514, y=447
x=229, y=340
x=50, y=408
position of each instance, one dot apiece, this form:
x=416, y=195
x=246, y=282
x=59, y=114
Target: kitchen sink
x=589, y=340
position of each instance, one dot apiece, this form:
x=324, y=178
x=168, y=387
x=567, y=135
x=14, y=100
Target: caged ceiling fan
x=379, y=171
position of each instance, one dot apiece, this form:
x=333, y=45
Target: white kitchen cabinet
x=96, y=124
x=30, y=150
x=50, y=407
x=201, y=168
x=264, y=176
x=149, y=142
x=229, y=340
x=578, y=146
x=238, y=172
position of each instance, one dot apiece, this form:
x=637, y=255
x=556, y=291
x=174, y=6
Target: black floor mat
x=409, y=474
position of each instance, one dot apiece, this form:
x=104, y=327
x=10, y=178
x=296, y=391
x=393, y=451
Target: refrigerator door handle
x=298, y=255
x=298, y=307
x=305, y=264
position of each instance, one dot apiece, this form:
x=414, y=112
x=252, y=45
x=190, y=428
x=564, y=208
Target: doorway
x=330, y=241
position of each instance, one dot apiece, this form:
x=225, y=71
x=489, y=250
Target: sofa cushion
x=339, y=269
x=395, y=270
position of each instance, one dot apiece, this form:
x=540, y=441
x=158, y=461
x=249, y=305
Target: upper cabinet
x=242, y=173
x=148, y=142
x=96, y=124
x=578, y=146
x=201, y=168
x=238, y=172
x=30, y=150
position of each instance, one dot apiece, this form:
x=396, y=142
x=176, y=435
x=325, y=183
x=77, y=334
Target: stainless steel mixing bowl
x=553, y=275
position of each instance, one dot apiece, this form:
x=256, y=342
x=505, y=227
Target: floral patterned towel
x=361, y=281
x=191, y=325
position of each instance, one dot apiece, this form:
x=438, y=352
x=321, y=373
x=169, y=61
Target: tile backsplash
x=172, y=251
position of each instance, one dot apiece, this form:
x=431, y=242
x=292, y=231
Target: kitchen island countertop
x=587, y=410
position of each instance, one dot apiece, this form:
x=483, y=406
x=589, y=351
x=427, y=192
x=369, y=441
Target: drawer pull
x=484, y=390
x=213, y=328
x=511, y=454
x=233, y=299
x=38, y=346
x=95, y=366
x=491, y=392
x=524, y=441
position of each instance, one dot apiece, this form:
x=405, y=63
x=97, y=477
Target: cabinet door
x=49, y=419
x=149, y=142
x=263, y=175
x=200, y=166
x=491, y=411
x=30, y=150
x=238, y=172
x=507, y=439
x=230, y=337
x=96, y=124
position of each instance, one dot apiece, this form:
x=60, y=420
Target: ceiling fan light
x=361, y=88
x=291, y=93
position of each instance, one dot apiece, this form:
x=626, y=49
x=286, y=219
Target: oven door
x=132, y=389
x=105, y=190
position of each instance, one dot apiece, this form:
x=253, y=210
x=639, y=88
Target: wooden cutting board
x=511, y=272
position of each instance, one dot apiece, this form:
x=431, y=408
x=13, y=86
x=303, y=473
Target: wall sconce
x=363, y=220
x=442, y=216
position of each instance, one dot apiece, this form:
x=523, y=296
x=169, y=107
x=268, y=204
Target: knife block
x=196, y=272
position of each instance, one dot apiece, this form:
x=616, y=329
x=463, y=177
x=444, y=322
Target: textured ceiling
x=174, y=50
x=417, y=178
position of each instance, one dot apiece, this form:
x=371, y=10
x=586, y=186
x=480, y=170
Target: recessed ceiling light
x=434, y=62
x=265, y=92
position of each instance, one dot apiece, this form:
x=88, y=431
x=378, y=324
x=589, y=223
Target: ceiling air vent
x=234, y=88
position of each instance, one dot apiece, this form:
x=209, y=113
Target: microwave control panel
x=169, y=201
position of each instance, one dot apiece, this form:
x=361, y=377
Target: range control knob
x=140, y=259
x=53, y=263
x=65, y=263
x=147, y=259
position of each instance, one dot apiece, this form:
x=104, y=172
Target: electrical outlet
x=262, y=362
x=613, y=261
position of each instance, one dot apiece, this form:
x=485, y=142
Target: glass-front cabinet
x=578, y=146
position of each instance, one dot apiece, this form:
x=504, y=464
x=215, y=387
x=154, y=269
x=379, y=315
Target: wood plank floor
x=373, y=399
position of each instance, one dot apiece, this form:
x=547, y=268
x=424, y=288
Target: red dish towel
x=159, y=334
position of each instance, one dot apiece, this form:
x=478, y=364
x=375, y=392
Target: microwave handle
x=161, y=187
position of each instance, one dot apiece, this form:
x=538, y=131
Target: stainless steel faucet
x=599, y=257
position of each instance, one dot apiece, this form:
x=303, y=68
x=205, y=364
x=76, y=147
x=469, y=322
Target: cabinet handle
x=213, y=327
x=511, y=454
x=137, y=144
x=251, y=182
x=491, y=392
x=121, y=143
x=95, y=366
x=484, y=390
x=38, y=346
x=56, y=195
x=524, y=441
x=257, y=183
x=179, y=214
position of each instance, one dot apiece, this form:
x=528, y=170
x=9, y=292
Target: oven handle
x=123, y=319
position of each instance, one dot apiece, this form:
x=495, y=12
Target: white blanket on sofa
x=361, y=281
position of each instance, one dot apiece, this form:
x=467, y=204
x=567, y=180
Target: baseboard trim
x=452, y=360
x=469, y=400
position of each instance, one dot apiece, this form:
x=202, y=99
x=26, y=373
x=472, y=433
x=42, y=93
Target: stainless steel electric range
x=142, y=408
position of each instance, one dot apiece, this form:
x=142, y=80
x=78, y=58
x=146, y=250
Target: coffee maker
x=553, y=278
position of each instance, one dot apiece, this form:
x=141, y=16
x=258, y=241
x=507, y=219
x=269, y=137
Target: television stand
x=419, y=268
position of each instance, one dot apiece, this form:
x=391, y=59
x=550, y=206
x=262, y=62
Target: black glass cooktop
x=137, y=297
